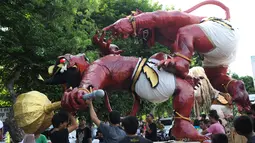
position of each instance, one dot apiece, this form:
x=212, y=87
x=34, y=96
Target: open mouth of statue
x=61, y=67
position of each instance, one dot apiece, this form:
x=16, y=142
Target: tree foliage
x=34, y=33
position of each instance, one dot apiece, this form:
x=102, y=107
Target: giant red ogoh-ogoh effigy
x=162, y=75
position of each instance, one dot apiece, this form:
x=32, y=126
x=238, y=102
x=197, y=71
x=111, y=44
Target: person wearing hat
x=151, y=128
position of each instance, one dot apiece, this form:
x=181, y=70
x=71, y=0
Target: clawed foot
x=194, y=81
x=184, y=130
x=240, y=96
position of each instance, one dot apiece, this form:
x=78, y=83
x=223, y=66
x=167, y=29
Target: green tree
x=33, y=34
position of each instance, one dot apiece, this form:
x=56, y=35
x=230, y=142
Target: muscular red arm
x=96, y=76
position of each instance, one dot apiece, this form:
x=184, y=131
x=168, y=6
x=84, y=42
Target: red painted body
x=114, y=72
x=180, y=31
x=174, y=29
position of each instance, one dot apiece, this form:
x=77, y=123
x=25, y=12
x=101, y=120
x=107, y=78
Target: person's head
x=130, y=124
x=196, y=122
x=207, y=123
x=203, y=116
x=243, y=125
x=82, y=122
x=204, y=124
x=149, y=118
x=114, y=117
x=60, y=120
x=213, y=116
x=219, y=138
x=99, y=134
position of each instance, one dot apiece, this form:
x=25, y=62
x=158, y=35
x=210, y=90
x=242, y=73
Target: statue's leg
x=189, y=39
x=183, y=102
x=222, y=82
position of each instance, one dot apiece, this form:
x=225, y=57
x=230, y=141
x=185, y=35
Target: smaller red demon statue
x=115, y=72
x=214, y=39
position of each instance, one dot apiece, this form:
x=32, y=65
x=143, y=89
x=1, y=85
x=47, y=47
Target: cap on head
x=151, y=115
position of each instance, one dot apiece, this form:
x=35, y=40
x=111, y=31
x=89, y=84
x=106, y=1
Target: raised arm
x=105, y=47
x=73, y=125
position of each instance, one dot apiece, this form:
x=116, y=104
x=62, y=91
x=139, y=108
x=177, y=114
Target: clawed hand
x=106, y=47
x=168, y=65
x=72, y=100
x=176, y=65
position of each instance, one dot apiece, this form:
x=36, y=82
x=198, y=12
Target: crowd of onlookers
x=215, y=131
x=118, y=130
x=131, y=130
x=128, y=130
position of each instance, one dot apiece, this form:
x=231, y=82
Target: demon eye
x=62, y=61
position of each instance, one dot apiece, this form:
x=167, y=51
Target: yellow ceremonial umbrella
x=33, y=112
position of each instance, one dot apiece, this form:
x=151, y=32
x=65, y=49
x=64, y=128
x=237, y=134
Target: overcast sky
x=239, y=17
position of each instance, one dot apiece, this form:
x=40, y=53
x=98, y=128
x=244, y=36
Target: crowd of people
x=215, y=131
x=131, y=130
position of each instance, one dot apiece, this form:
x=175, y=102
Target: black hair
x=219, y=138
x=203, y=116
x=82, y=118
x=98, y=131
x=243, y=125
x=220, y=121
x=59, y=118
x=130, y=124
x=114, y=117
x=214, y=114
x=206, y=121
x=196, y=122
x=253, y=107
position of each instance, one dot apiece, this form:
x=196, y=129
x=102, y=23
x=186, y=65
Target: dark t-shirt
x=251, y=140
x=134, y=139
x=82, y=135
x=60, y=136
x=153, y=135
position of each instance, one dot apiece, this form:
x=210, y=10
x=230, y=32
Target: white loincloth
x=225, y=43
x=164, y=89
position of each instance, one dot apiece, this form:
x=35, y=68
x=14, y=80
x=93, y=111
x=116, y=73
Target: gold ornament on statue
x=33, y=112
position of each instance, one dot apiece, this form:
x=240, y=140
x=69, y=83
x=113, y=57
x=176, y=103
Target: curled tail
x=214, y=2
